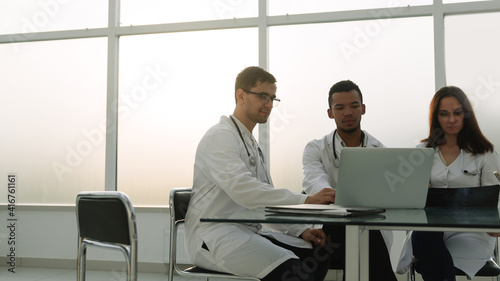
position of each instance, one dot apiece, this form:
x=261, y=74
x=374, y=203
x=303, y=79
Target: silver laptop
x=384, y=177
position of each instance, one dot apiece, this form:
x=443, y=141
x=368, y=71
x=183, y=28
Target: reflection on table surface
x=447, y=217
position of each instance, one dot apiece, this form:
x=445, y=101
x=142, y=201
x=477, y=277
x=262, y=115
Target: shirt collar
x=244, y=130
x=339, y=140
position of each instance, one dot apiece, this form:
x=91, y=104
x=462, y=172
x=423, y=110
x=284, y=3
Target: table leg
x=352, y=253
x=364, y=249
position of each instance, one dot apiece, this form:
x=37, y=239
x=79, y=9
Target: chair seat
x=106, y=219
x=491, y=268
x=179, y=202
x=197, y=269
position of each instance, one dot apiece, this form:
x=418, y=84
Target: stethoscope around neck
x=336, y=160
x=466, y=172
x=251, y=157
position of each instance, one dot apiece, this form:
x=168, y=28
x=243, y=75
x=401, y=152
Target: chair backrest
x=465, y=197
x=106, y=216
x=179, y=201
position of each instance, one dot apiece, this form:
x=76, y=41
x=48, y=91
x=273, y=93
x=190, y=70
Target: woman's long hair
x=470, y=138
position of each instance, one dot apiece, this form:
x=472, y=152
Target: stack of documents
x=323, y=210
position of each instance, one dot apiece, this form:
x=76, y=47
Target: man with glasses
x=230, y=175
x=321, y=160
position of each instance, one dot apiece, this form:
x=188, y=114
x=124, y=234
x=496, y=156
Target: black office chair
x=466, y=197
x=106, y=219
x=179, y=201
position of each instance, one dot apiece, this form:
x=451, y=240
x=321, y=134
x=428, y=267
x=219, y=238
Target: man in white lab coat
x=230, y=175
x=321, y=160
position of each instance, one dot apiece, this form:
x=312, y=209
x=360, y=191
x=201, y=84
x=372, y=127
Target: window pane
x=283, y=7
x=392, y=62
x=35, y=16
x=141, y=12
x=472, y=60
x=53, y=105
x=173, y=88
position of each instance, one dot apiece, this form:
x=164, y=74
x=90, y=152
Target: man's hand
x=494, y=234
x=316, y=236
x=324, y=196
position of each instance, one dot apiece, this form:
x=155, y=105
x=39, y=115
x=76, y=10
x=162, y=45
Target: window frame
x=263, y=21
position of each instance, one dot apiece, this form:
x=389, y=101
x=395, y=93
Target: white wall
x=51, y=233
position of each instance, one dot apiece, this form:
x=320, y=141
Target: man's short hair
x=343, y=86
x=250, y=76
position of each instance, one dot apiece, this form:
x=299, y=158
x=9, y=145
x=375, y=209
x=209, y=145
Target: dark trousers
x=312, y=265
x=380, y=263
x=435, y=262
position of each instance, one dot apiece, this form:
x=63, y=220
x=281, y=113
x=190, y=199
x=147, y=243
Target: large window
x=173, y=88
x=166, y=70
x=288, y=7
x=32, y=16
x=391, y=63
x=142, y=12
x=53, y=118
x=472, y=63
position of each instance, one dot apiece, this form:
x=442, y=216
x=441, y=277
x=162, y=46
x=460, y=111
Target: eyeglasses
x=265, y=98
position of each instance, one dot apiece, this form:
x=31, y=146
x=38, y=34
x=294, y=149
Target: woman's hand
x=315, y=235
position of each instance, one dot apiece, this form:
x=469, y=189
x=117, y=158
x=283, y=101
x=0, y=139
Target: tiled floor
x=50, y=274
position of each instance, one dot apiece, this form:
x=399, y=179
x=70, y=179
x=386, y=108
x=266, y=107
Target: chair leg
x=133, y=266
x=81, y=262
x=170, y=274
x=496, y=254
x=131, y=260
x=129, y=266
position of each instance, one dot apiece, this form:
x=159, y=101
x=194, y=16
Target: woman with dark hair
x=468, y=136
x=463, y=157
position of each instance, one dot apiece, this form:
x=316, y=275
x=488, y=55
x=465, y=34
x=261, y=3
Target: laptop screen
x=384, y=177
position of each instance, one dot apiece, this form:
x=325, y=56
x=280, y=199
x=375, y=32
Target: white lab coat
x=469, y=251
x=320, y=172
x=225, y=182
